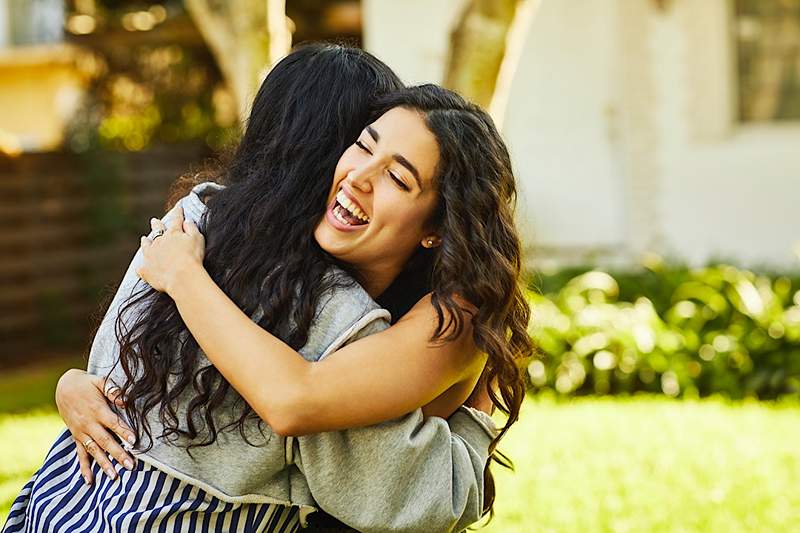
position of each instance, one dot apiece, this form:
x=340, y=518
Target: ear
x=431, y=241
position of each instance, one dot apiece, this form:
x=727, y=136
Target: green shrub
x=679, y=331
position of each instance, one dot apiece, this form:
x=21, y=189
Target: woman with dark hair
x=171, y=388
x=461, y=216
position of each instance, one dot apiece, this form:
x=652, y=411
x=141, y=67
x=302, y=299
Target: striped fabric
x=145, y=499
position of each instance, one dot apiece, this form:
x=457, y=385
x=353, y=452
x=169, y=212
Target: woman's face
x=382, y=196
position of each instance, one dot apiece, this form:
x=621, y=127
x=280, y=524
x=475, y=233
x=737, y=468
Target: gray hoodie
x=410, y=474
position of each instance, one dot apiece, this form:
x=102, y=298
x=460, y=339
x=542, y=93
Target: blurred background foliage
x=153, y=79
x=667, y=329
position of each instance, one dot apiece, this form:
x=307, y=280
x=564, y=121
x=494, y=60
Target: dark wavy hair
x=260, y=248
x=480, y=257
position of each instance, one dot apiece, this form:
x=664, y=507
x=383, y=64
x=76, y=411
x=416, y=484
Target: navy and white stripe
x=144, y=499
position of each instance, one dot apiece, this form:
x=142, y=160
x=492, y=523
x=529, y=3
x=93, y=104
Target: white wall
x=5, y=29
x=738, y=198
x=412, y=36
x=560, y=127
x=622, y=125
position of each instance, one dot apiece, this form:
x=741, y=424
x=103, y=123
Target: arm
x=292, y=395
x=406, y=475
x=82, y=396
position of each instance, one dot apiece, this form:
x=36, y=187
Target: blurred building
x=104, y=103
x=640, y=125
x=41, y=80
x=83, y=163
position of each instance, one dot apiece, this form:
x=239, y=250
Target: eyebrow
x=397, y=157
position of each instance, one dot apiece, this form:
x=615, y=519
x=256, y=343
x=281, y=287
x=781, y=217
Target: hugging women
x=294, y=342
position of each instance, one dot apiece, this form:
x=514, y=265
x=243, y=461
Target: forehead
x=404, y=132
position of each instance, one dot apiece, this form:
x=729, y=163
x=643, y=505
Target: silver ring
x=157, y=233
x=88, y=442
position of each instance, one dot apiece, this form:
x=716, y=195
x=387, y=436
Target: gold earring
x=430, y=242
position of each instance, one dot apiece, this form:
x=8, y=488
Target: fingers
x=190, y=228
x=176, y=224
x=111, y=447
x=156, y=224
x=114, y=395
x=93, y=448
x=171, y=213
x=115, y=424
x=85, y=462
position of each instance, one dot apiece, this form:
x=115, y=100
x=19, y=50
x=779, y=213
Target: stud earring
x=430, y=242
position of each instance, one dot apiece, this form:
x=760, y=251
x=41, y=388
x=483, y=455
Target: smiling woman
x=317, y=373
x=382, y=198
x=432, y=357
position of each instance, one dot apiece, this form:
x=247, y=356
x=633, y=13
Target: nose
x=361, y=177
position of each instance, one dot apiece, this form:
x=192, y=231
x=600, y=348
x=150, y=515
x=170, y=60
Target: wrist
x=183, y=278
x=63, y=380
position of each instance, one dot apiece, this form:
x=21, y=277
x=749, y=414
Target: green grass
x=635, y=464
x=651, y=464
x=24, y=441
x=28, y=422
x=32, y=387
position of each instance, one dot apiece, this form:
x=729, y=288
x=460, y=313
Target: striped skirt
x=144, y=499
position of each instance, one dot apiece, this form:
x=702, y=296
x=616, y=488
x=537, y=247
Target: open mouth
x=347, y=212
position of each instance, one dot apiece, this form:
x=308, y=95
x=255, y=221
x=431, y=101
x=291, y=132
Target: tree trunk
x=246, y=38
x=477, y=48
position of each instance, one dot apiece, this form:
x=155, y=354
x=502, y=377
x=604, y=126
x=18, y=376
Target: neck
x=377, y=279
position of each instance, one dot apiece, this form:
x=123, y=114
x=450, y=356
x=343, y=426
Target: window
x=34, y=21
x=768, y=42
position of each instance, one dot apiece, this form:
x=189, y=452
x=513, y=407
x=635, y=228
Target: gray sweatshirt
x=410, y=474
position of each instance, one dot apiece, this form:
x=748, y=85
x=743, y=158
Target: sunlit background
x=657, y=150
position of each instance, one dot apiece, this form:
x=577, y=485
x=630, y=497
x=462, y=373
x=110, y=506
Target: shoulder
x=425, y=310
x=345, y=312
x=424, y=319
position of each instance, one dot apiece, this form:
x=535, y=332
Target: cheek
x=407, y=219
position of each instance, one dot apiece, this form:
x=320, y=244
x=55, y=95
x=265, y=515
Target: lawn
x=651, y=464
x=636, y=464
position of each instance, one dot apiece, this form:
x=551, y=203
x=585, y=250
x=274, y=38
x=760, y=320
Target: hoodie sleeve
x=410, y=474
x=104, y=352
x=407, y=475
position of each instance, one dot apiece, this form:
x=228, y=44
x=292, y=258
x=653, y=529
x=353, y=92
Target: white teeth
x=343, y=200
x=337, y=213
x=354, y=210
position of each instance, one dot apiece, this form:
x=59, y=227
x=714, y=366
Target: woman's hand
x=480, y=399
x=176, y=248
x=83, y=406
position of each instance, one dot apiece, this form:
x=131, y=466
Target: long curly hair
x=260, y=248
x=480, y=257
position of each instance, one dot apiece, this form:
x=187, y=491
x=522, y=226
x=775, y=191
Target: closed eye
x=363, y=147
x=400, y=183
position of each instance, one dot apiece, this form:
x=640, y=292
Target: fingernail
x=111, y=473
x=128, y=464
x=131, y=439
x=87, y=480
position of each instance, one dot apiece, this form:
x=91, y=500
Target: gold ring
x=88, y=442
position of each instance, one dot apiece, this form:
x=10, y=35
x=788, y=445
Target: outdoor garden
x=664, y=399
x=661, y=397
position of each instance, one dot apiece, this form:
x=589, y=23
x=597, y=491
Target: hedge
x=674, y=330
